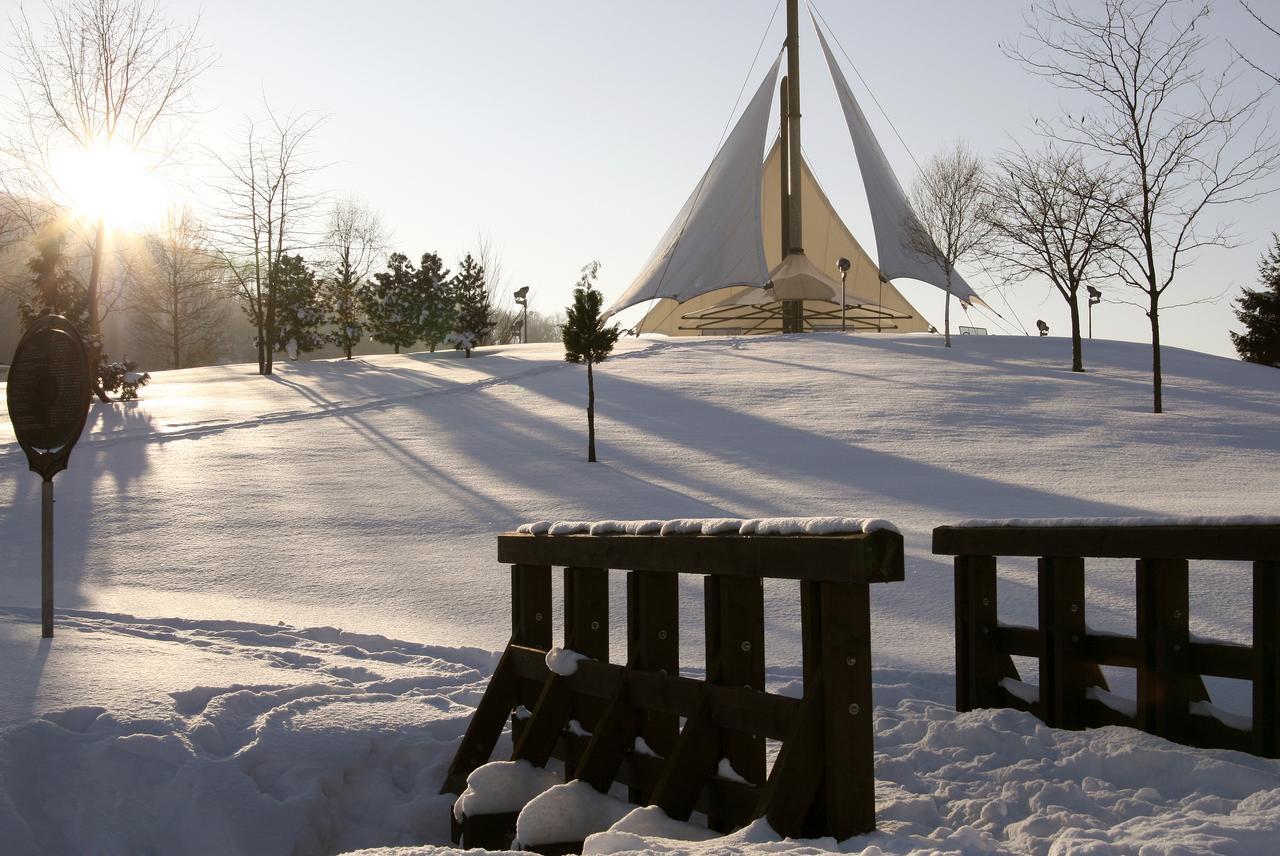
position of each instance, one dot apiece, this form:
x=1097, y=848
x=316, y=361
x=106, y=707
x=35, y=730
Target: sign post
x=48, y=398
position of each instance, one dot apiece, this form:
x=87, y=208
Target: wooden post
x=848, y=754
x=586, y=630
x=531, y=626
x=46, y=557
x=1266, y=652
x=1164, y=697
x=980, y=664
x=653, y=645
x=1063, y=675
x=735, y=657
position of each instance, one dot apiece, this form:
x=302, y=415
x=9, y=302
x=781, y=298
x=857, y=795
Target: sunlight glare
x=111, y=182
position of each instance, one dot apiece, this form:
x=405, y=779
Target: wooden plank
x=1163, y=634
x=1064, y=674
x=485, y=726
x=487, y=831
x=549, y=720
x=531, y=605
x=1222, y=659
x=1209, y=733
x=530, y=626
x=586, y=630
x=653, y=645
x=690, y=764
x=848, y=753
x=874, y=557
x=793, y=782
x=735, y=658
x=1112, y=650
x=612, y=739
x=1245, y=543
x=1017, y=640
x=1266, y=652
x=586, y=611
x=980, y=662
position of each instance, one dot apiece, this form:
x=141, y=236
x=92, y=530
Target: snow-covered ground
x=213, y=537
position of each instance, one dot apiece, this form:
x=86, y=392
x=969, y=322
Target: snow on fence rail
x=1172, y=701
x=621, y=723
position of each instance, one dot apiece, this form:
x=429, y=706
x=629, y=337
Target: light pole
x=843, y=264
x=1095, y=297
x=522, y=299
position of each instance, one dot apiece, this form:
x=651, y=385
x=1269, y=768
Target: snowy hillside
x=212, y=537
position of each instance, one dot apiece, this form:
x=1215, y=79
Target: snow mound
x=568, y=812
x=1062, y=522
x=711, y=526
x=502, y=786
x=563, y=661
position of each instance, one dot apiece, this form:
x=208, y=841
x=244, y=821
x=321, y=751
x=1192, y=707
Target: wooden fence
x=822, y=782
x=1170, y=663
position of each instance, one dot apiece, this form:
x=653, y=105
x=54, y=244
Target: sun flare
x=113, y=182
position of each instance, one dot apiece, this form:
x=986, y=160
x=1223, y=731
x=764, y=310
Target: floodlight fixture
x=1042, y=327
x=1095, y=295
x=843, y=264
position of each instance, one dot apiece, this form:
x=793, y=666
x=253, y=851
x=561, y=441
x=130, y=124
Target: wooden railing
x=1171, y=697
x=822, y=782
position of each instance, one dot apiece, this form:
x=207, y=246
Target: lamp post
x=843, y=264
x=522, y=299
x=1095, y=297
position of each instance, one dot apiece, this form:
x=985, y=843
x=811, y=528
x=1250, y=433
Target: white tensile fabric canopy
x=891, y=214
x=715, y=239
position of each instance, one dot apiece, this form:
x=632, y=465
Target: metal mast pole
x=784, y=161
x=792, y=310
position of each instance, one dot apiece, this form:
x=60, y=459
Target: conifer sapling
x=587, y=340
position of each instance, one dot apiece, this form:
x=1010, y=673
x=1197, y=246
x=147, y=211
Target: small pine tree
x=439, y=303
x=393, y=303
x=340, y=301
x=1259, y=312
x=58, y=291
x=299, y=313
x=475, y=312
x=587, y=340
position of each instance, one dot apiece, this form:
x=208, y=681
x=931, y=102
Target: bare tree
x=266, y=213
x=1053, y=216
x=950, y=202
x=500, y=295
x=1178, y=139
x=178, y=302
x=1274, y=72
x=104, y=76
x=356, y=242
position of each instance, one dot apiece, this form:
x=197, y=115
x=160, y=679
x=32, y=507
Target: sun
x=109, y=181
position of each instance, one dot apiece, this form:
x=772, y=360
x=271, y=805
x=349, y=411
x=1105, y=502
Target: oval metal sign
x=48, y=393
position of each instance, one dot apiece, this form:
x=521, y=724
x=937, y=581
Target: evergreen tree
x=393, y=303
x=58, y=291
x=340, y=300
x=55, y=288
x=587, y=340
x=1259, y=312
x=439, y=303
x=299, y=312
x=475, y=312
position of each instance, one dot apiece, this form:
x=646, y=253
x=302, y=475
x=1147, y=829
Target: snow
x=1232, y=720
x=568, y=812
x=710, y=526
x=502, y=786
x=241, y=561
x=1029, y=693
x=564, y=662
x=725, y=771
x=1118, y=703
x=1168, y=520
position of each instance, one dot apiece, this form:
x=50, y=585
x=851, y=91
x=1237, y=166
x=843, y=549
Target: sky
x=570, y=131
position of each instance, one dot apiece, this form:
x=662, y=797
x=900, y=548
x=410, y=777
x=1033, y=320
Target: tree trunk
x=348, y=350
x=177, y=330
x=946, y=318
x=95, y=323
x=397, y=347
x=467, y=351
x=1077, y=357
x=1156, y=379
x=591, y=415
